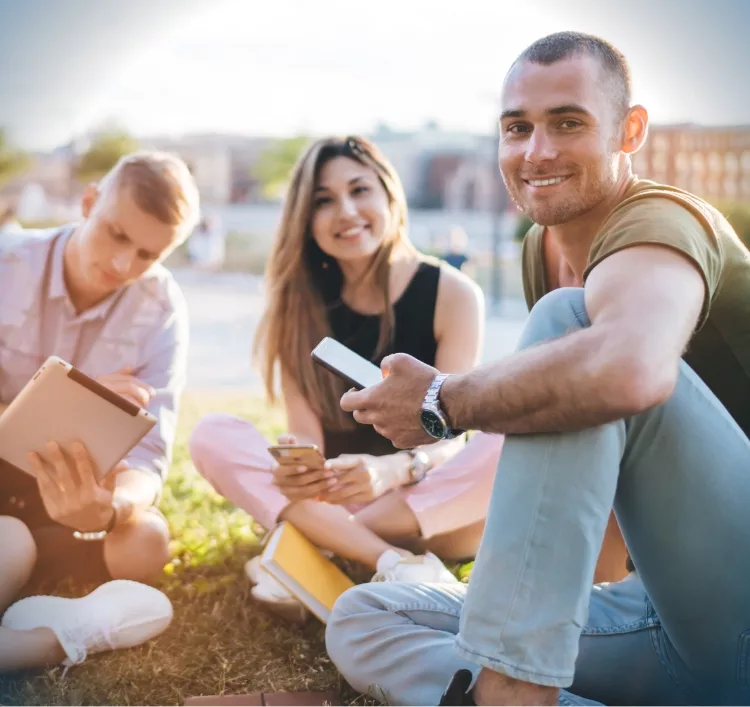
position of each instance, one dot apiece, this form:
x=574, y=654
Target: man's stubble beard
x=570, y=207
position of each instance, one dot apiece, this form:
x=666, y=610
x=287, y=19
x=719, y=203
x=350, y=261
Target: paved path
x=224, y=312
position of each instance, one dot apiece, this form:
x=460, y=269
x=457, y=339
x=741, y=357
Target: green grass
x=220, y=641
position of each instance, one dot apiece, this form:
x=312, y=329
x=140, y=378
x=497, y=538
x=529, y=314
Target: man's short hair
x=562, y=45
x=160, y=183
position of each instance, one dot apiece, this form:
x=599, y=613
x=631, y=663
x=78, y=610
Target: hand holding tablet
x=62, y=405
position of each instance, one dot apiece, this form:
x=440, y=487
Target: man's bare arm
x=3, y=408
x=643, y=302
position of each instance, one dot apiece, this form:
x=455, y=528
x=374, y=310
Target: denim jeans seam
x=468, y=652
x=527, y=549
x=744, y=658
x=582, y=317
x=632, y=627
x=658, y=639
x=400, y=607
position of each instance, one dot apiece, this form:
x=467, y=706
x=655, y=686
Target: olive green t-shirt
x=650, y=213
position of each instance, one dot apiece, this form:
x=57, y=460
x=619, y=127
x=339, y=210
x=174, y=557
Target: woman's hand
x=298, y=482
x=361, y=478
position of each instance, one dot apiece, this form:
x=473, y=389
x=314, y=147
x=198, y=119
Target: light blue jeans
x=678, y=477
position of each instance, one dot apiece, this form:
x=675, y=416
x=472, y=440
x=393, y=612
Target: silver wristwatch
x=433, y=419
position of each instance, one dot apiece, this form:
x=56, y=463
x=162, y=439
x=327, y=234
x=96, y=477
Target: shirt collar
x=59, y=290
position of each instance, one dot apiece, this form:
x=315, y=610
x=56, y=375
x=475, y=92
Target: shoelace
x=82, y=634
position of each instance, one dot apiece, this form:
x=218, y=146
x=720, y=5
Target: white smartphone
x=345, y=363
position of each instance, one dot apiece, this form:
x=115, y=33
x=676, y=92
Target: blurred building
x=209, y=158
x=711, y=162
x=440, y=169
x=443, y=169
x=46, y=190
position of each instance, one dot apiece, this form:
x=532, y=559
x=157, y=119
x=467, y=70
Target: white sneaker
x=270, y=592
x=253, y=569
x=415, y=569
x=119, y=614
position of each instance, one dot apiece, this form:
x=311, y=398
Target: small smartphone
x=298, y=455
x=345, y=363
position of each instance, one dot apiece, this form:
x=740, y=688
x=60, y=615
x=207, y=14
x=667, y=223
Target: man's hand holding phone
x=300, y=473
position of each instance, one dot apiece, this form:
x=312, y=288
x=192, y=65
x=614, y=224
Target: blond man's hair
x=161, y=184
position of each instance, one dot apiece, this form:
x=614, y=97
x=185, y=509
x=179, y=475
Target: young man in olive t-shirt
x=630, y=389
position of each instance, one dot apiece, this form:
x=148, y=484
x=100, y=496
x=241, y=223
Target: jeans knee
x=558, y=313
x=337, y=634
x=344, y=630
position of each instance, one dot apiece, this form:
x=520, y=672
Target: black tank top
x=414, y=334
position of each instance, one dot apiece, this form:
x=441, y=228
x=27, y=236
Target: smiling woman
x=342, y=266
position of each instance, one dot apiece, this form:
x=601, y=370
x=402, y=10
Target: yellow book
x=303, y=570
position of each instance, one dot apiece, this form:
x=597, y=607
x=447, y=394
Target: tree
x=103, y=153
x=276, y=162
x=11, y=161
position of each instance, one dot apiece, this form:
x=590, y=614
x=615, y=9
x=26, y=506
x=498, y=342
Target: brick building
x=711, y=162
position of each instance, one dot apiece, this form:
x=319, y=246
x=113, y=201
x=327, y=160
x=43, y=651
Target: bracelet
x=89, y=536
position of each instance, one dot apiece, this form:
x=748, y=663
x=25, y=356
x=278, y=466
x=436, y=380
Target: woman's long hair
x=303, y=282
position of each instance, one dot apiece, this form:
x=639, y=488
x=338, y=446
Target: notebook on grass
x=303, y=570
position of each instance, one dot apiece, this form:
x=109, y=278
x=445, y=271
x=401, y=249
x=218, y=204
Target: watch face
x=432, y=424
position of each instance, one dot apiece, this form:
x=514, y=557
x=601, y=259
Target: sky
x=281, y=67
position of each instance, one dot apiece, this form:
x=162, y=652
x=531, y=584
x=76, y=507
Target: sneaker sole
x=291, y=611
x=251, y=572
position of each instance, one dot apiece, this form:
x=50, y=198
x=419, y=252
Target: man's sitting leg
x=687, y=528
x=396, y=642
x=139, y=548
x=136, y=550
x=677, y=476
x=17, y=558
x=43, y=630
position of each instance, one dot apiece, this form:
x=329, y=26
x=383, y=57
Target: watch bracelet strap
x=433, y=398
x=433, y=392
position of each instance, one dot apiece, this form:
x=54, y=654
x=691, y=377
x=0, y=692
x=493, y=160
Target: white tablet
x=61, y=404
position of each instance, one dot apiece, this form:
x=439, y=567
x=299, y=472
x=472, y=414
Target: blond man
x=95, y=294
